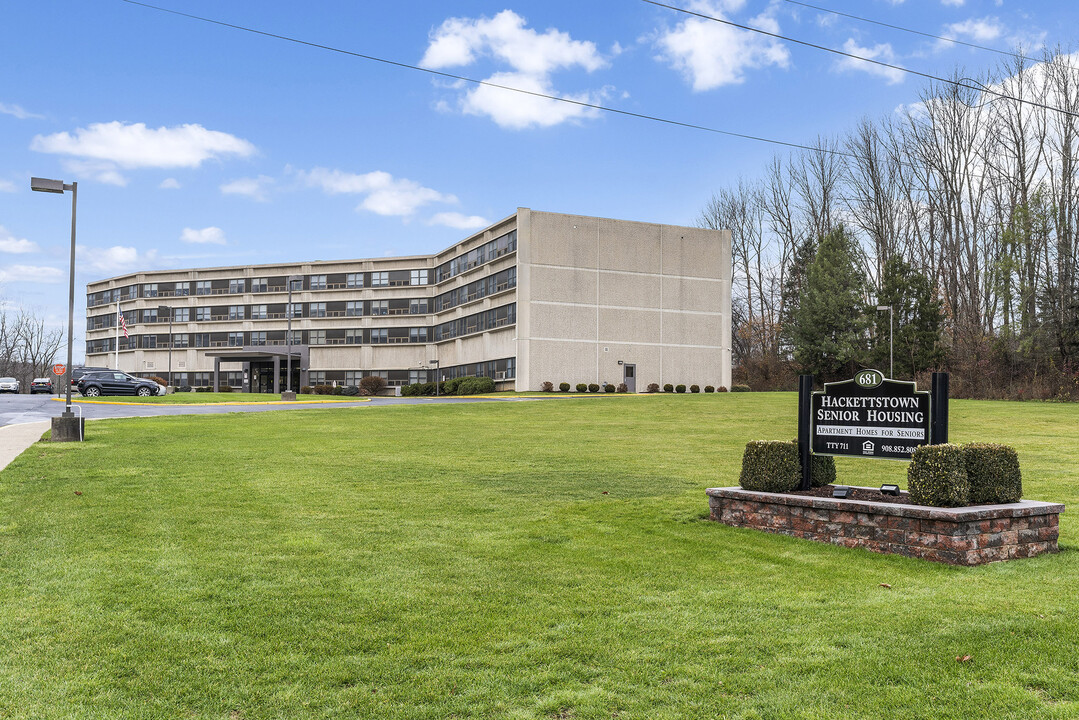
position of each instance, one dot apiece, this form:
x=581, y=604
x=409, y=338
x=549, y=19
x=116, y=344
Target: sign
x=869, y=416
x=58, y=369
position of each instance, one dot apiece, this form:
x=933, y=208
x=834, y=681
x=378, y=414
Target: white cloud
x=953, y=3
x=102, y=148
x=16, y=246
x=116, y=259
x=977, y=29
x=206, y=236
x=882, y=52
x=255, y=188
x=710, y=54
x=458, y=221
x=17, y=111
x=170, y=184
x=32, y=274
x=385, y=194
x=103, y=172
x=532, y=57
x=7, y=186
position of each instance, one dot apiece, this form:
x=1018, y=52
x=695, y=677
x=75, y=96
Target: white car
x=9, y=384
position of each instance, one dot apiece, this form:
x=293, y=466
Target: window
x=354, y=308
x=181, y=314
x=317, y=282
x=353, y=377
x=202, y=313
x=354, y=280
x=236, y=312
x=317, y=377
x=258, y=312
x=202, y=287
x=149, y=290
x=354, y=336
x=417, y=334
x=258, y=285
x=236, y=339
x=380, y=307
x=182, y=289
x=295, y=337
x=179, y=340
x=418, y=277
x=417, y=306
x=149, y=341
x=316, y=310
x=417, y=376
x=258, y=338
x=236, y=286
x=380, y=279
x=149, y=316
x=295, y=309
x=379, y=336
x=202, y=340
x=317, y=337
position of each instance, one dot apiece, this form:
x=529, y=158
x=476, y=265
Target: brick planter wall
x=959, y=536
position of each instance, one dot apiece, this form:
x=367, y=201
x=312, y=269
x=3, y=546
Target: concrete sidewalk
x=16, y=438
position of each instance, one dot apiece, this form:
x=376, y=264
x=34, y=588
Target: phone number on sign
x=896, y=448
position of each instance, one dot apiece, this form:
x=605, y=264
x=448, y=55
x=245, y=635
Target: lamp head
x=46, y=185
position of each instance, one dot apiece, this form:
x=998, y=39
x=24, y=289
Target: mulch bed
x=866, y=494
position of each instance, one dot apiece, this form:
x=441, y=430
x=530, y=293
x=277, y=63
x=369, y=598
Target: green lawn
x=196, y=398
x=503, y=560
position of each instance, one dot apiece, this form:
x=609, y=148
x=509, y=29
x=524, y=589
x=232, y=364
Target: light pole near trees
x=891, y=356
x=68, y=417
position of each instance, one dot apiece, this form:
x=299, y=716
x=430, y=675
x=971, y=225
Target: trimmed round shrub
x=475, y=386
x=770, y=466
x=352, y=391
x=709, y=389
x=306, y=390
x=774, y=466
x=371, y=385
x=740, y=388
x=937, y=476
x=622, y=387
x=184, y=388
x=547, y=386
x=205, y=388
x=667, y=387
x=993, y=473
x=652, y=388
x=721, y=388
x=694, y=388
x=581, y=388
x=563, y=387
x=609, y=388
x=593, y=387
x=679, y=388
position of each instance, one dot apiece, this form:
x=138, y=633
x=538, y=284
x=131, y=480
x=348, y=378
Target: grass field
x=503, y=560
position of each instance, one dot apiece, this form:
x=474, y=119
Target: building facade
x=534, y=297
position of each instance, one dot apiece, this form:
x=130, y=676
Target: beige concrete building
x=535, y=297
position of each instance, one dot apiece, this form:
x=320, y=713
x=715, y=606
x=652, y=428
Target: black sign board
x=870, y=416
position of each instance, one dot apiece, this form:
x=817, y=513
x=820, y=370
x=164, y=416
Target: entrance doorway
x=629, y=377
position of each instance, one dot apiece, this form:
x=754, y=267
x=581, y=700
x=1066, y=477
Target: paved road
x=18, y=409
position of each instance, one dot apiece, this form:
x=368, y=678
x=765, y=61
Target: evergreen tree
x=918, y=318
x=828, y=327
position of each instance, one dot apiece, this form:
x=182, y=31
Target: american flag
x=123, y=323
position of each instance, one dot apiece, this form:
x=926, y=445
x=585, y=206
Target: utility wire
x=488, y=83
x=1017, y=56
x=842, y=53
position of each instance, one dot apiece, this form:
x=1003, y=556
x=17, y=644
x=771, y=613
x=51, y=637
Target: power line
x=1018, y=56
x=488, y=83
x=843, y=53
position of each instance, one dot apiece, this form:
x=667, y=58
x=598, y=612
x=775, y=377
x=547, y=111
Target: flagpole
x=117, y=350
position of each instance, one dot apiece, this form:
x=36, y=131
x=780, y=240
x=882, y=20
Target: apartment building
x=534, y=297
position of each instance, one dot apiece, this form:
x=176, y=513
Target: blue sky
x=198, y=145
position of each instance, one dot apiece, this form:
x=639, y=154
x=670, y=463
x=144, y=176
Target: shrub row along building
x=535, y=297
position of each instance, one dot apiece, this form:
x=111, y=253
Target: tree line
x=28, y=346
x=960, y=211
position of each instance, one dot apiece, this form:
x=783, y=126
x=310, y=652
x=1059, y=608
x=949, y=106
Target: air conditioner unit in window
x=501, y=375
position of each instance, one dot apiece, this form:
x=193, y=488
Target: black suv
x=114, y=382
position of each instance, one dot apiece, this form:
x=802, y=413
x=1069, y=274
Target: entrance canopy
x=257, y=355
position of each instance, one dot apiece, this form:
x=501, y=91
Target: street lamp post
x=891, y=355
x=435, y=363
x=167, y=309
x=68, y=428
x=291, y=280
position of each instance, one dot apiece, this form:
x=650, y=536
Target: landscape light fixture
x=166, y=309
x=291, y=280
x=841, y=491
x=888, y=489
x=891, y=355
x=435, y=363
x=59, y=186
